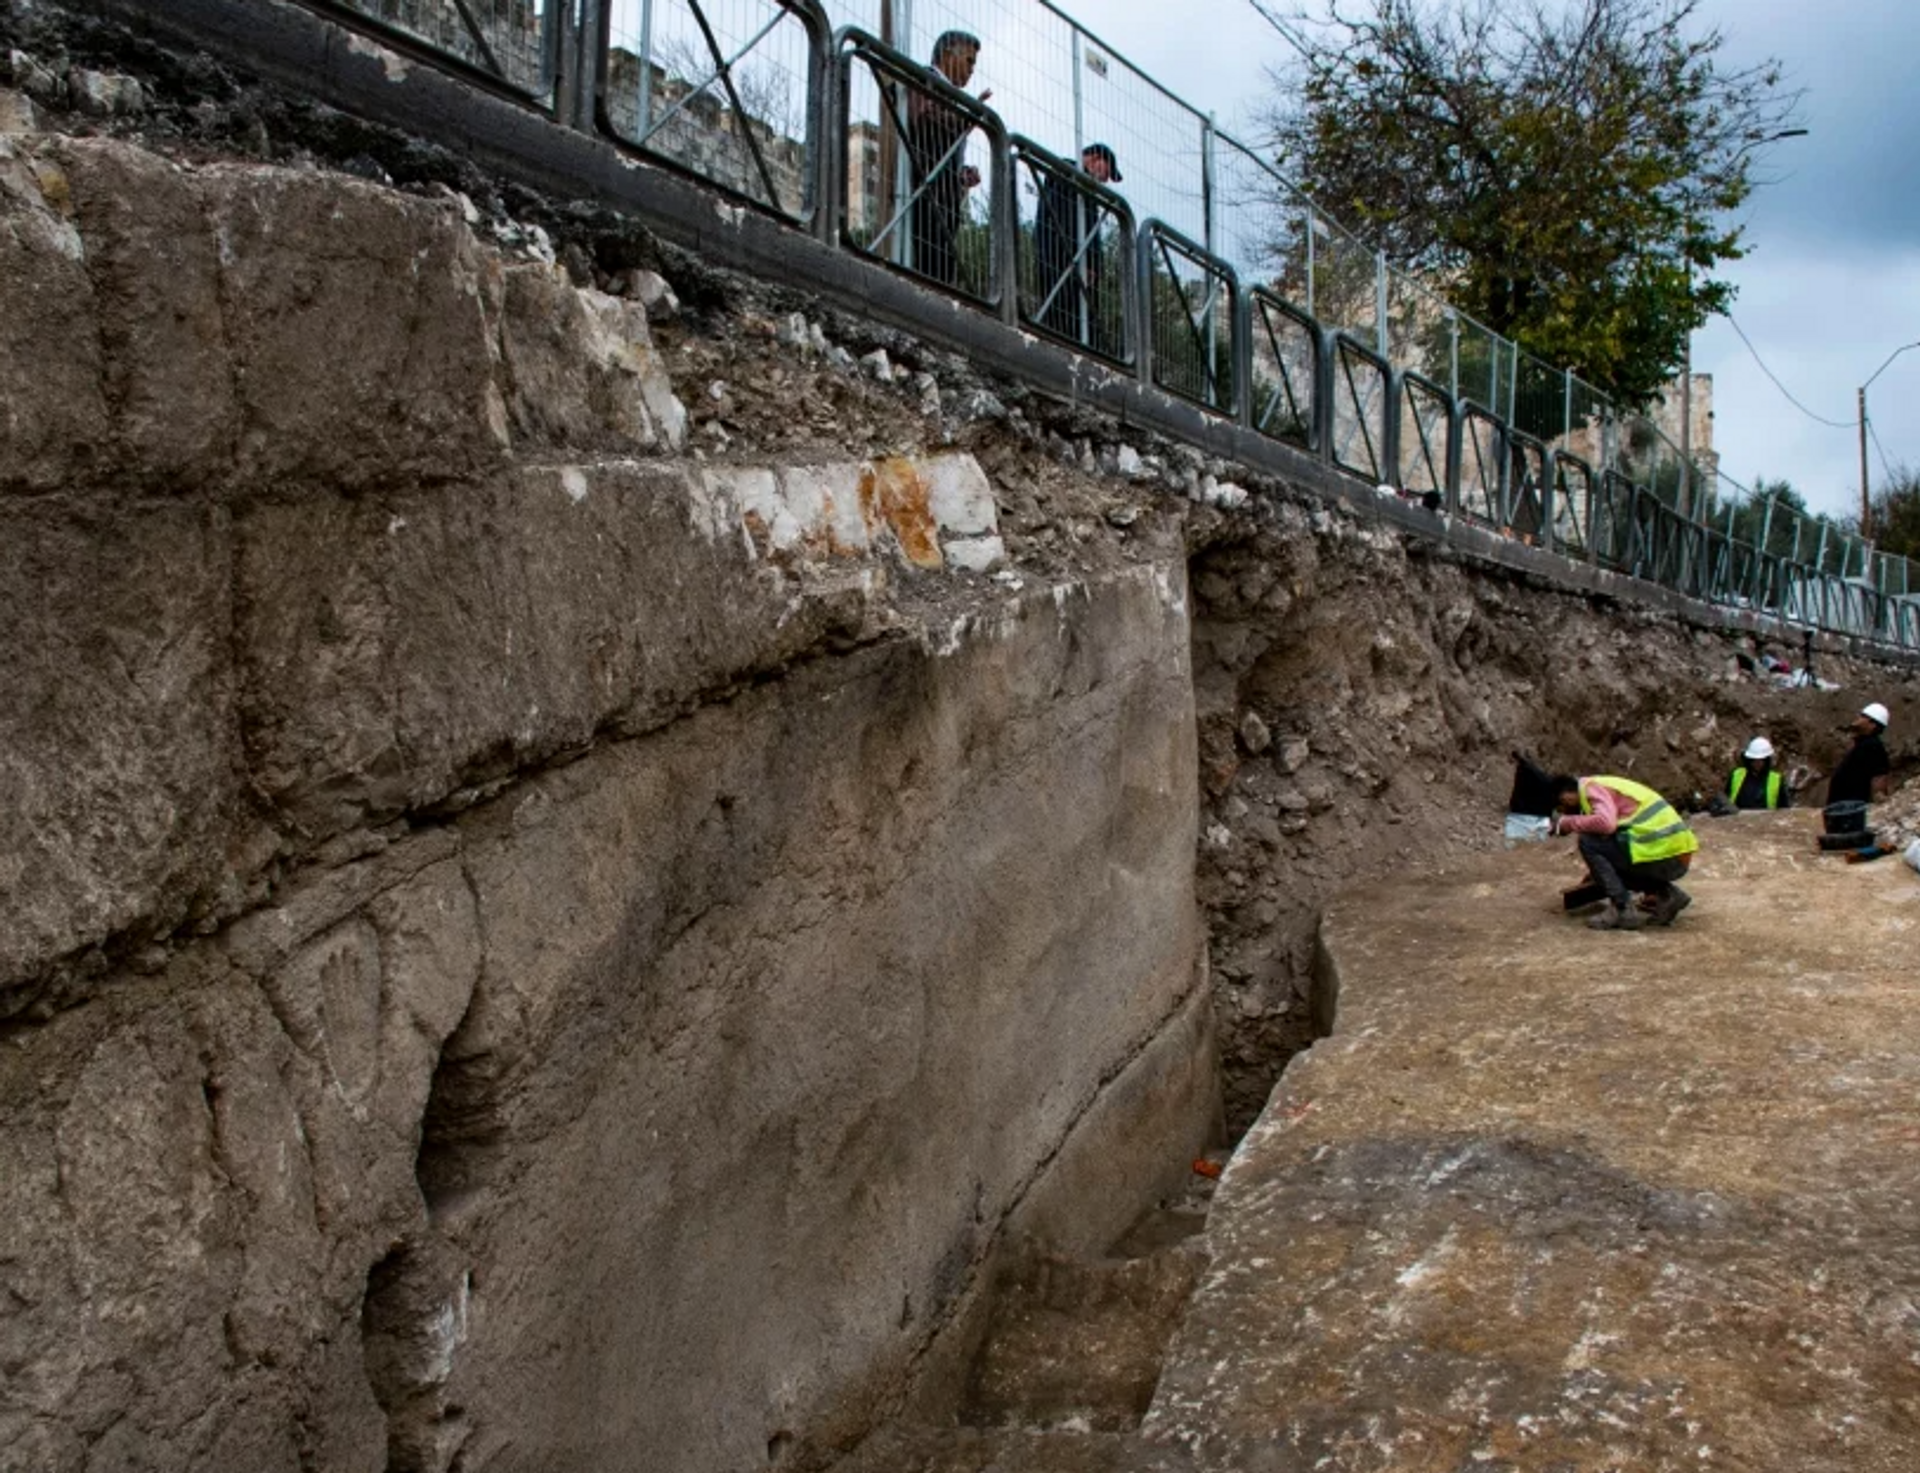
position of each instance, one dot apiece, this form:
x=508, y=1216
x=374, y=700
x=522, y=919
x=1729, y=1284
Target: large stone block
x=200, y=1175
x=165, y=1255
x=52, y=411
x=400, y=647
x=153, y=257
x=929, y=511
x=120, y=790
x=783, y=1010
x=581, y=370
x=360, y=327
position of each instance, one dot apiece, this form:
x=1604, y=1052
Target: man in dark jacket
x=936, y=148
x=1067, y=251
x=1864, y=772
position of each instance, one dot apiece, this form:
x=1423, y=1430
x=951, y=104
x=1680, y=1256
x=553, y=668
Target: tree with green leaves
x=1896, y=513
x=1567, y=172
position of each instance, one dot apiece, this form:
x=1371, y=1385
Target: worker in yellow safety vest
x=1756, y=782
x=1632, y=840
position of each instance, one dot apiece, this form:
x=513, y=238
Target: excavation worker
x=1863, y=774
x=1756, y=782
x=1632, y=840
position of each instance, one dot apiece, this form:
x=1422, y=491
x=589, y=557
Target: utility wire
x=1837, y=424
x=1885, y=464
x=1265, y=13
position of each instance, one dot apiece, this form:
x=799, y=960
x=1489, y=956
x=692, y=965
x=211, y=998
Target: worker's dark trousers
x=1606, y=858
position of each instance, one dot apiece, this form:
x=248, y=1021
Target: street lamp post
x=1860, y=401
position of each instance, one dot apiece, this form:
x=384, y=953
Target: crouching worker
x=1632, y=840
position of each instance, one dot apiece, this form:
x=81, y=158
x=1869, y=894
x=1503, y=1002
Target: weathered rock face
x=518, y=946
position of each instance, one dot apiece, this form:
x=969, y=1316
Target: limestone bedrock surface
x=1552, y=1198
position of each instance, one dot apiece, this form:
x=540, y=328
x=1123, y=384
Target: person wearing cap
x=1067, y=251
x=1756, y=782
x=1864, y=773
x=1632, y=840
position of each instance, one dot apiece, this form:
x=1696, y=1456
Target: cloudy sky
x=1833, y=282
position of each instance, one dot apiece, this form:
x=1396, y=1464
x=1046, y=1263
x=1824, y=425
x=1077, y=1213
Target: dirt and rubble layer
x=1553, y=1198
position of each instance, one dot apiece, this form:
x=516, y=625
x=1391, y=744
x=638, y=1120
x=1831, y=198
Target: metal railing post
x=1380, y=304
x=1243, y=355
x=1313, y=229
x=646, y=65
x=1079, y=94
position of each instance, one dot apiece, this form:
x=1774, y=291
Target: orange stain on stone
x=893, y=491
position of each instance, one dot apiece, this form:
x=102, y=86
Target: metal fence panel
x=1260, y=224
x=1361, y=403
x=1191, y=301
x=1346, y=281
x=1573, y=505
x=1285, y=382
x=1422, y=330
x=1539, y=399
x=511, y=42
x=1483, y=454
x=1612, y=525
x=923, y=167
x=1528, y=486
x=1426, y=436
x=725, y=89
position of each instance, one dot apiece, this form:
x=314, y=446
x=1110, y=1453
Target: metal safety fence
x=512, y=44
x=1002, y=153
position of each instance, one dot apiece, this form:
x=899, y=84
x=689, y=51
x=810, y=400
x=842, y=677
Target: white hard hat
x=1875, y=712
x=1758, y=749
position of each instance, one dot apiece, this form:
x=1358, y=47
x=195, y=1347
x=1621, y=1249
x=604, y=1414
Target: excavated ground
x=1547, y=1199
x=1552, y=1198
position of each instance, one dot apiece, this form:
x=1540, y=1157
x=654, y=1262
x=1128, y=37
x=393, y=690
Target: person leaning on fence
x=936, y=148
x=1632, y=840
x=1067, y=251
x=1756, y=782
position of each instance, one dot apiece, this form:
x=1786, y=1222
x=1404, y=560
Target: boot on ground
x=1617, y=918
x=1670, y=906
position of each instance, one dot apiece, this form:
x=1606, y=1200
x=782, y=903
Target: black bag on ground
x=1532, y=789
